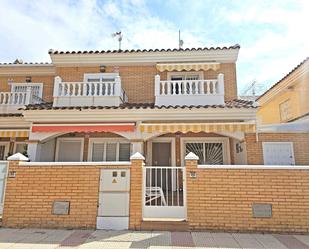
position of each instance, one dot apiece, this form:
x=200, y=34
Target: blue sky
x=273, y=35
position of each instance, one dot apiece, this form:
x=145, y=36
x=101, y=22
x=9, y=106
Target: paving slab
x=291, y=242
x=160, y=239
x=75, y=239
x=303, y=238
x=269, y=241
x=225, y=240
x=247, y=241
x=203, y=240
x=100, y=239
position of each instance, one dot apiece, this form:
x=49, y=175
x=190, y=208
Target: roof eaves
x=236, y=46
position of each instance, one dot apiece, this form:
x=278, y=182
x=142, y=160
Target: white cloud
x=273, y=34
x=282, y=43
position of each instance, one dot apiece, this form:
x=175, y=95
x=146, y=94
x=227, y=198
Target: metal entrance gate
x=164, y=192
x=3, y=173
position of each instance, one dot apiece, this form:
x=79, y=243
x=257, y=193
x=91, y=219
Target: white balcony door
x=278, y=153
x=4, y=149
x=69, y=149
x=100, y=84
x=36, y=90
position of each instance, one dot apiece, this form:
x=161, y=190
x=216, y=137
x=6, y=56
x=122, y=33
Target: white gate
x=164, y=192
x=278, y=153
x=3, y=173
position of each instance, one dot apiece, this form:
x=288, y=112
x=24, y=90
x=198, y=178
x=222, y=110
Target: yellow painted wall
x=304, y=94
x=269, y=113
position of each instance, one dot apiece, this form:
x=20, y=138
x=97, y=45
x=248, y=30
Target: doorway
x=161, y=153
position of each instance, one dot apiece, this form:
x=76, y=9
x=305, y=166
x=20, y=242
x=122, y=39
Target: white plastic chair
x=154, y=193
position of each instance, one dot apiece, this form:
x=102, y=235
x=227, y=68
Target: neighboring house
x=288, y=99
x=91, y=119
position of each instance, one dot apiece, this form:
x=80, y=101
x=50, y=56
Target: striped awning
x=205, y=127
x=14, y=133
x=187, y=66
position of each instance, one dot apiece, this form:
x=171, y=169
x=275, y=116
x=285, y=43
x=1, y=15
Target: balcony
x=107, y=93
x=189, y=92
x=10, y=102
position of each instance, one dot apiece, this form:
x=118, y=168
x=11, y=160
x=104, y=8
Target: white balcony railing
x=12, y=101
x=189, y=92
x=14, y=98
x=107, y=93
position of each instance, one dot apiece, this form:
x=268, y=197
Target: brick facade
x=300, y=144
x=222, y=199
x=30, y=195
x=134, y=79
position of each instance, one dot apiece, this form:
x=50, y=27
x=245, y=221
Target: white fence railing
x=189, y=87
x=189, y=92
x=164, y=192
x=14, y=98
x=24, y=96
x=88, y=93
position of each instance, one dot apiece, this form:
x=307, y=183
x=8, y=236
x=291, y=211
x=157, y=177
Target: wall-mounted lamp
x=102, y=68
x=28, y=79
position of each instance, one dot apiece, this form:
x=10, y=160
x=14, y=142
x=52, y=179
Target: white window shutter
x=111, y=152
x=124, y=152
x=69, y=151
x=98, y=152
x=2, y=152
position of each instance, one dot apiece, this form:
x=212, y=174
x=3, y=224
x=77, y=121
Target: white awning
x=187, y=66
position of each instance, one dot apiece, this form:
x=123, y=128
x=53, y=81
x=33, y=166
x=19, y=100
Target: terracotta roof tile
x=27, y=63
x=237, y=103
x=11, y=115
x=51, y=51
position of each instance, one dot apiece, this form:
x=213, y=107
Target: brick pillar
x=136, y=191
x=10, y=189
x=192, y=188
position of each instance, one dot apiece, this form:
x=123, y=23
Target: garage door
x=278, y=153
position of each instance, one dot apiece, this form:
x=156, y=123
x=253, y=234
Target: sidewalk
x=48, y=239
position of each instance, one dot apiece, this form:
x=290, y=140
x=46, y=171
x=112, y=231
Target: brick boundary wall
x=30, y=195
x=217, y=199
x=222, y=199
x=255, y=149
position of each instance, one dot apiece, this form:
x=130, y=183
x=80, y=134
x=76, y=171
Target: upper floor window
x=185, y=76
x=285, y=110
x=100, y=77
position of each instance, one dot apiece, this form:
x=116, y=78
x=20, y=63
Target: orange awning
x=84, y=128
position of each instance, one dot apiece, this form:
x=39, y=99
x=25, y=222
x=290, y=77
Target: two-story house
x=88, y=111
x=103, y=106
